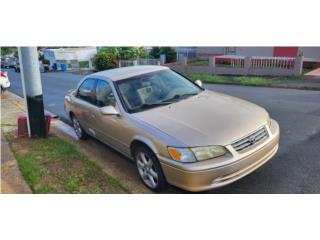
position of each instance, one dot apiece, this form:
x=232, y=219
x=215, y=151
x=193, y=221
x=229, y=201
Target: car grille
x=250, y=140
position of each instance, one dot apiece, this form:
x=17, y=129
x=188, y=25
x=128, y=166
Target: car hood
x=209, y=118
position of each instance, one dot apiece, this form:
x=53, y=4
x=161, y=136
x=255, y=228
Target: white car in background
x=4, y=81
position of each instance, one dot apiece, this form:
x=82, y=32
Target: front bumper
x=215, y=173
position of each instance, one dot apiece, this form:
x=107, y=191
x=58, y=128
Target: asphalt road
x=54, y=85
x=295, y=168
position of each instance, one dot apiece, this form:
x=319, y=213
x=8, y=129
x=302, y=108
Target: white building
x=71, y=58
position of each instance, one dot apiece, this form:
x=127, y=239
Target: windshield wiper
x=151, y=105
x=181, y=96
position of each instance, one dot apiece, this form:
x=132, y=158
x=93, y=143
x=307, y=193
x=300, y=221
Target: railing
x=230, y=61
x=240, y=65
x=140, y=61
x=146, y=61
x=272, y=62
x=126, y=63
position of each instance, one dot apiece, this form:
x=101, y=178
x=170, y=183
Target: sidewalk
x=11, y=179
x=314, y=73
x=108, y=159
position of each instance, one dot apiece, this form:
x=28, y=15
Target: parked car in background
x=43, y=67
x=8, y=61
x=4, y=81
x=176, y=131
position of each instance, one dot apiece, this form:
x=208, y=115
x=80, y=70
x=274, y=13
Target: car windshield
x=155, y=89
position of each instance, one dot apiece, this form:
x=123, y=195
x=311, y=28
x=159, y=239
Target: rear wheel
x=149, y=169
x=77, y=128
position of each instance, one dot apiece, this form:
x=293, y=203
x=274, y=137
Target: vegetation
x=206, y=77
x=125, y=53
x=253, y=81
x=84, y=64
x=7, y=50
x=170, y=53
x=105, y=59
x=239, y=80
x=199, y=63
x=53, y=165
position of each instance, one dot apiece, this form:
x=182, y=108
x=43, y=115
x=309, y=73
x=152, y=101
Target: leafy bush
x=104, y=59
x=155, y=52
x=83, y=64
x=45, y=61
x=310, y=65
x=125, y=53
x=7, y=50
x=168, y=51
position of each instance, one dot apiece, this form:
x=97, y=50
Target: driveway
x=296, y=167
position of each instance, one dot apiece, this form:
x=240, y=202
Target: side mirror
x=109, y=110
x=198, y=82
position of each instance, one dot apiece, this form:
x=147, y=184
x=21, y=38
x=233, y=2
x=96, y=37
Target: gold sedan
x=176, y=131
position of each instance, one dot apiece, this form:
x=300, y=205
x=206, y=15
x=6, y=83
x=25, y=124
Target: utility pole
x=32, y=90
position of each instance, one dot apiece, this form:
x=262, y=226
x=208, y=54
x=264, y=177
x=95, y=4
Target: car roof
x=127, y=72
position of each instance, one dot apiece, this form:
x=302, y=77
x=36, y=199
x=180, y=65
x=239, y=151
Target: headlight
x=268, y=120
x=203, y=153
x=181, y=154
x=196, y=153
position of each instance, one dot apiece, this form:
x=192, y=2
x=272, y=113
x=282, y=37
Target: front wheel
x=149, y=169
x=77, y=128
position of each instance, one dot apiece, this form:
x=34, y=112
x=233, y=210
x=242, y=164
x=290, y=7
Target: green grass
x=240, y=80
x=53, y=165
x=84, y=64
x=253, y=81
x=206, y=77
x=7, y=124
x=199, y=63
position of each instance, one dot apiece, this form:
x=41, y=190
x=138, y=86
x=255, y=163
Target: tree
x=168, y=51
x=104, y=59
x=125, y=53
x=155, y=52
x=8, y=50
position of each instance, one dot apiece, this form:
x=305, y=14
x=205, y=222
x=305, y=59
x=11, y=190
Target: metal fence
x=146, y=61
x=240, y=65
x=272, y=62
x=140, y=61
x=233, y=61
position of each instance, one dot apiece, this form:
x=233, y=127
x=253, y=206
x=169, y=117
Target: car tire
x=80, y=132
x=149, y=169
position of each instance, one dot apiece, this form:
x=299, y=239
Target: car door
x=85, y=102
x=108, y=128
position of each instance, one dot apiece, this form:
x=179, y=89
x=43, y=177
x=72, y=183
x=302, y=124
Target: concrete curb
x=11, y=178
x=108, y=159
x=53, y=115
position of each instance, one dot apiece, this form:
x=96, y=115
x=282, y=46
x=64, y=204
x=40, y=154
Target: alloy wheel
x=77, y=127
x=146, y=170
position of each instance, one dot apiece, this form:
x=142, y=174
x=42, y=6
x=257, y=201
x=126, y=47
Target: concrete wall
x=248, y=68
x=308, y=52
